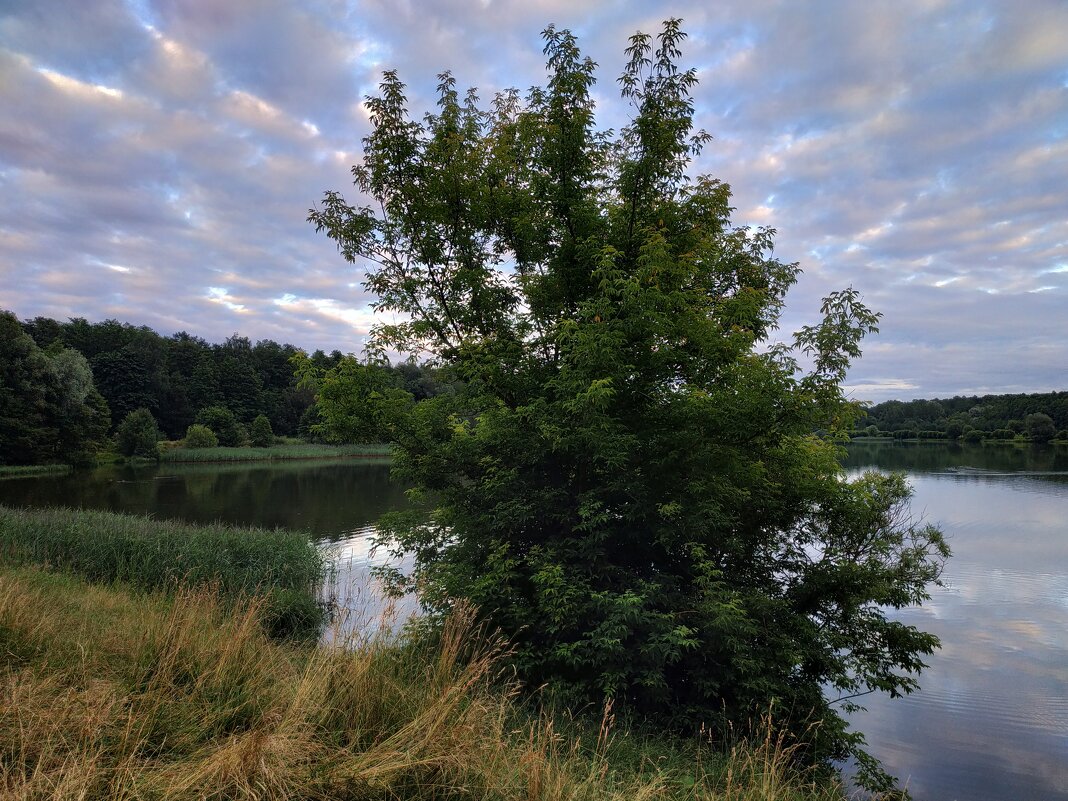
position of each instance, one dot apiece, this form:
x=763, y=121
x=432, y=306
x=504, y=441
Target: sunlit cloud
x=74, y=86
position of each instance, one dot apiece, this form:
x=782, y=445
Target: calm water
x=991, y=722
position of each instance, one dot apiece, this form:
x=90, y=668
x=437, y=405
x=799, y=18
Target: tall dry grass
x=109, y=694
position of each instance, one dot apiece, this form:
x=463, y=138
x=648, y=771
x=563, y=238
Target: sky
x=158, y=158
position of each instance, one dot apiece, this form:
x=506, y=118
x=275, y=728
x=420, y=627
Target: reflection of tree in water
x=325, y=499
x=923, y=457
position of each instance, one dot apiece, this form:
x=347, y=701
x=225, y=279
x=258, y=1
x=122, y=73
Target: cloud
x=913, y=149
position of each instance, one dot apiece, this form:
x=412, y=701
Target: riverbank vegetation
x=147, y=554
x=1036, y=417
x=108, y=692
x=274, y=453
x=23, y=471
x=70, y=392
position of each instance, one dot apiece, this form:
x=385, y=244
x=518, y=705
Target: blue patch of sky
x=143, y=11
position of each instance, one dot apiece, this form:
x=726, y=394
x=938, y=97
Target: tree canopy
x=629, y=482
x=50, y=410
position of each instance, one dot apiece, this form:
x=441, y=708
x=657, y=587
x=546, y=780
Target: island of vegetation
x=641, y=569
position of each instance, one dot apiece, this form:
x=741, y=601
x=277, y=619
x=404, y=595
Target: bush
x=933, y=435
x=975, y=435
x=200, y=436
x=1040, y=427
x=222, y=421
x=1002, y=433
x=260, y=432
x=1062, y=435
x=138, y=435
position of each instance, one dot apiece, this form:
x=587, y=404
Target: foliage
x=50, y=410
x=138, y=435
x=200, y=436
x=166, y=554
x=175, y=376
x=1040, y=427
x=222, y=421
x=122, y=695
x=260, y=433
x=950, y=414
x=627, y=483
x=355, y=402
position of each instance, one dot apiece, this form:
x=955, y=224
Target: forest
x=1038, y=416
x=65, y=386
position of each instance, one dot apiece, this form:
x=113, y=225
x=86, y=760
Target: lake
x=991, y=720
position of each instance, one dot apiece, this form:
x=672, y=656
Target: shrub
x=974, y=435
x=1002, y=433
x=222, y=421
x=200, y=436
x=138, y=434
x=260, y=432
x=1040, y=427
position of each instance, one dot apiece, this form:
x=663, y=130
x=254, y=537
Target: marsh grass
x=284, y=566
x=21, y=471
x=107, y=693
x=274, y=453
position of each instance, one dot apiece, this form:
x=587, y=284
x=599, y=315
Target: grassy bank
x=21, y=471
x=107, y=693
x=165, y=554
x=276, y=452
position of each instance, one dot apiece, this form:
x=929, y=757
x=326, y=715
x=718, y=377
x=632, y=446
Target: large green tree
x=628, y=481
x=50, y=410
x=355, y=401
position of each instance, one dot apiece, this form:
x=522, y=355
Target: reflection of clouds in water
x=362, y=608
x=991, y=720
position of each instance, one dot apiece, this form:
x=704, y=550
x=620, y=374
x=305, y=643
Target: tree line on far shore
x=1038, y=417
x=70, y=389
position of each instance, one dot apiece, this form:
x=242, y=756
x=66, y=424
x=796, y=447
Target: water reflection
x=327, y=499
x=991, y=720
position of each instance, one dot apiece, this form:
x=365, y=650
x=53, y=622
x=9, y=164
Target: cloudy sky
x=158, y=158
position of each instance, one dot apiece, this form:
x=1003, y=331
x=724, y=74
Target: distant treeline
x=1038, y=416
x=56, y=377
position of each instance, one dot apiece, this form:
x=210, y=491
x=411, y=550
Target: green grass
x=20, y=471
x=277, y=452
x=165, y=555
x=110, y=693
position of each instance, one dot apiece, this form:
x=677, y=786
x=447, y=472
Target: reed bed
x=107, y=693
x=21, y=471
x=273, y=453
x=285, y=566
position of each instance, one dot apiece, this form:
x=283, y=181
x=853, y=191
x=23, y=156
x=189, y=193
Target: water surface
x=991, y=720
